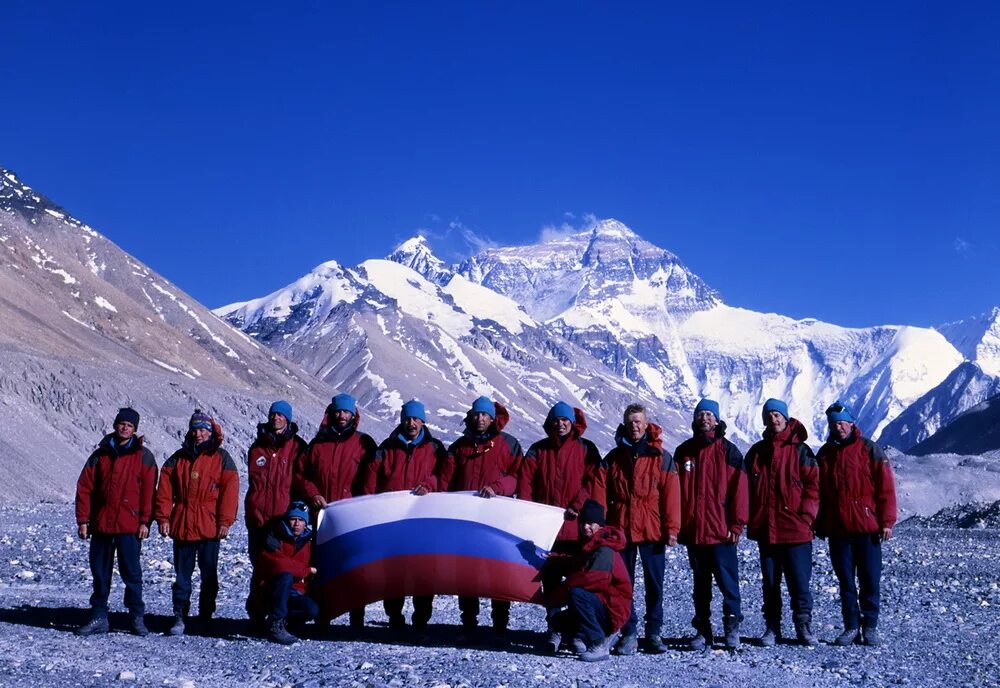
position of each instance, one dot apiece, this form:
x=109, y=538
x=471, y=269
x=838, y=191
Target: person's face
x=841, y=429
x=202, y=435
x=296, y=525
x=705, y=421
x=635, y=426
x=278, y=422
x=775, y=421
x=342, y=418
x=124, y=430
x=412, y=427
x=481, y=421
x=562, y=426
x=590, y=529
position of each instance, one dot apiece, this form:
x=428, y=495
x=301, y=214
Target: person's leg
x=771, y=572
x=592, y=617
x=281, y=589
x=423, y=607
x=727, y=575
x=842, y=559
x=102, y=552
x=868, y=557
x=500, y=614
x=301, y=608
x=630, y=554
x=469, y=608
x=701, y=569
x=184, y=558
x=653, y=565
x=129, y=548
x=394, y=610
x=798, y=574
x=208, y=565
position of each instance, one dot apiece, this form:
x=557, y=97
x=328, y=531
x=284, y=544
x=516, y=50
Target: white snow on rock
x=105, y=304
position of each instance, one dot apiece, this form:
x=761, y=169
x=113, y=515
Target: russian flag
x=445, y=543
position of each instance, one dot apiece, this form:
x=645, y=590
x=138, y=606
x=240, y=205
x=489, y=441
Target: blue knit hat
x=297, y=510
x=282, y=407
x=200, y=419
x=708, y=405
x=129, y=415
x=484, y=405
x=560, y=410
x=413, y=409
x=838, y=411
x=344, y=402
x=775, y=405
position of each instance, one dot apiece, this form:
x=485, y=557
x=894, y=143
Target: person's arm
x=670, y=500
x=509, y=467
x=737, y=493
x=165, y=497
x=229, y=495
x=526, y=477
x=84, y=493
x=147, y=492
x=885, y=491
x=809, y=476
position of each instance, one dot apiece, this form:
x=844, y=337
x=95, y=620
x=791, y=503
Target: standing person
x=114, y=507
x=333, y=466
x=196, y=504
x=563, y=470
x=784, y=500
x=487, y=460
x=409, y=459
x=714, y=511
x=644, y=502
x=857, y=499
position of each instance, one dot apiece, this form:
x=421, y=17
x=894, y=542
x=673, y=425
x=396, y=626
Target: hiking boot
x=138, y=627
x=627, y=645
x=598, y=652
x=731, y=626
x=850, y=635
x=552, y=642
x=178, y=627
x=869, y=637
x=770, y=636
x=653, y=645
x=804, y=634
x=277, y=632
x=577, y=646
x=702, y=639
x=95, y=626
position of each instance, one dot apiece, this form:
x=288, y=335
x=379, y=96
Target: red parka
x=199, y=490
x=784, y=487
x=492, y=460
x=564, y=472
x=401, y=465
x=270, y=463
x=643, y=490
x=713, y=482
x=282, y=553
x=599, y=568
x=334, y=463
x=857, y=492
x=114, y=493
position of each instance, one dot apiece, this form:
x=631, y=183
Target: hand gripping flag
x=450, y=543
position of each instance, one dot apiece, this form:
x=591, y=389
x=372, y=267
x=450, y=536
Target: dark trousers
x=586, y=617
x=653, y=557
x=794, y=562
x=288, y=603
x=719, y=562
x=552, y=577
x=499, y=611
x=858, y=557
x=423, y=606
x=206, y=552
x=102, y=558
x=255, y=543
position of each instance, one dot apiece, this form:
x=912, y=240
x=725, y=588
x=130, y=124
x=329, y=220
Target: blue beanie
x=484, y=405
x=129, y=415
x=413, y=409
x=838, y=411
x=297, y=510
x=199, y=419
x=344, y=402
x=282, y=407
x=775, y=405
x=708, y=405
x=560, y=410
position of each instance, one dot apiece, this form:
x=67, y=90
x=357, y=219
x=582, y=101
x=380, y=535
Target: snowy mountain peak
x=977, y=339
x=416, y=254
x=613, y=228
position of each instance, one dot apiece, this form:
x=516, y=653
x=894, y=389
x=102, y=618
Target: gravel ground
x=941, y=592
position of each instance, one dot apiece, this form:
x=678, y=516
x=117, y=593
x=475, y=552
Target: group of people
x=621, y=509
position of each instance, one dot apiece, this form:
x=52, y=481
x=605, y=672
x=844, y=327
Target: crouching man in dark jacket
x=597, y=590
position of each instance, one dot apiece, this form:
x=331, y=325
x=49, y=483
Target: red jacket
x=399, y=465
x=564, y=472
x=334, y=463
x=199, y=490
x=269, y=471
x=857, y=492
x=643, y=491
x=115, y=491
x=784, y=487
x=713, y=482
x=493, y=460
x=282, y=553
x=599, y=568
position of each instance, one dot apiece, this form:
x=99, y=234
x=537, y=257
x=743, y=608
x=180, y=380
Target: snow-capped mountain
x=976, y=431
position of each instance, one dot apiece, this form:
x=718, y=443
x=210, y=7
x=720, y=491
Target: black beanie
x=128, y=415
x=591, y=512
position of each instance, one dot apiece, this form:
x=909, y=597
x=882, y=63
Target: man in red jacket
x=196, y=504
x=597, y=588
x=643, y=501
x=857, y=500
x=714, y=511
x=784, y=501
x=487, y=460
x=409, y=459
x=563, y=470
x=333, y=466
x=114, y=507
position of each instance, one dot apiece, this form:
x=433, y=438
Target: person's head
x=482, y=414
x=279, y=415
x=412, y=418
x=775, y=415
x=126, y=423
x=706, y=415
x=200, y=426
x=297, y=518
x=560, y=418
x=591, y=518
x=635, y=422
x=342, y=410
x=841, y=421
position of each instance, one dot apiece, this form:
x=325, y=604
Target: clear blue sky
x=839, y=162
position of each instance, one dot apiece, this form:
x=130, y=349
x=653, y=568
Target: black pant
x=288, y=603
x=653, y=557
x=102, y=558
x=207, y=554
x=586, y=617
x=423, y=606
x=794, y=562
x=858, y=556
x=718, y=561
x=499, y=612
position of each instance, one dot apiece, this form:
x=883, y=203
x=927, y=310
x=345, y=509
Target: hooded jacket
x=114, y=493
x=564, y=472
x=282, y=553
x=642, y=488
x=490, y=460
x=713, y=483
x=857, y=491
x=784, y=487
x=334, y=463
x=270, y=462
x=402, y=465
x=199, y=489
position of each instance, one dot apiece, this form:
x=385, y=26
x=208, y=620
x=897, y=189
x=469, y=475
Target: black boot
x=731, y=625
x=99, y=624
x=703, y=637
x=804, y=631
x=138, y=626
x=278, y=633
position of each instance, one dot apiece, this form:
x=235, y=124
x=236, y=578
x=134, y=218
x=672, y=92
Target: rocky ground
x=941, y=594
